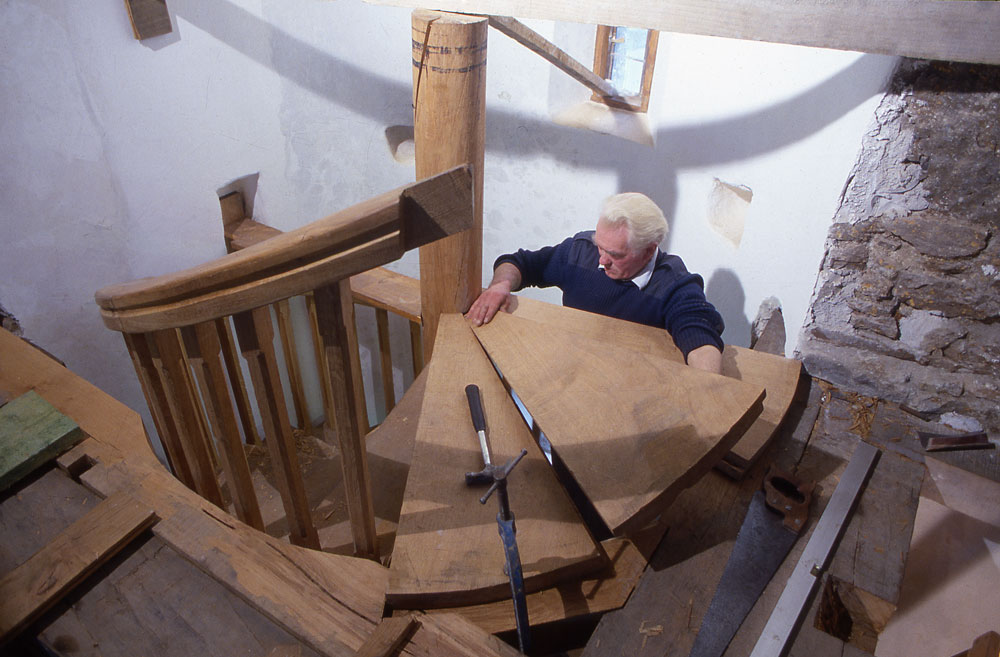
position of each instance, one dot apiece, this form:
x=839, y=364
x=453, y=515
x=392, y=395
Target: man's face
x=619, y=262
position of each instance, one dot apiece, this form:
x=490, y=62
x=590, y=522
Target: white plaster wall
x=112, y=149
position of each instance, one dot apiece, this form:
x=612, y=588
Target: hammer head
x=481, y=478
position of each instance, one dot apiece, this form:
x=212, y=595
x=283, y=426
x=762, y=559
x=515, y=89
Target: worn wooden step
x=447, y=549
x=633, y=428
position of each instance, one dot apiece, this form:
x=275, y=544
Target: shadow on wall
x=725, y=292
x=637, y=167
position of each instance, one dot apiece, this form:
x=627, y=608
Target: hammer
x=497, y=476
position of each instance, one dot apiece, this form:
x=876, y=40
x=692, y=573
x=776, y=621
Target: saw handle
x=475, y=407
x=789, y=497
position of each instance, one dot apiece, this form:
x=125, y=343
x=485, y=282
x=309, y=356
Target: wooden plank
x=866, y=575
x=778, y=376
x=32, y=432
x=249, y=232
x=342, y=369
x=147, y=600
x=608, y=410
x=664, y=613
x=447, y=550
x=952, y=31
x=384, y=288
x=26, y=368
x=256, y=336
x=149, y=18
x=538, y=44
x=364, y=236
x=606, y=590
x=449, y=128
x=389, y=636
x=450, y=635
x=329, y=602
x=322, y=599
x=38, y=583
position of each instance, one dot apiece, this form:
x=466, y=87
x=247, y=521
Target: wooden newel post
x=449, y=100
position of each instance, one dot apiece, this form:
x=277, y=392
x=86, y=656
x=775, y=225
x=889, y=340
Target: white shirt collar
x=641, y=279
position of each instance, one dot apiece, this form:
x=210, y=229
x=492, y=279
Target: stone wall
x=908, y=295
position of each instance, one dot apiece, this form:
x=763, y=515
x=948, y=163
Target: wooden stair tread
x=779, y=376
x=633, y=428
x=447, y=549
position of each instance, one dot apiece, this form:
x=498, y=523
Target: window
x=625, y=56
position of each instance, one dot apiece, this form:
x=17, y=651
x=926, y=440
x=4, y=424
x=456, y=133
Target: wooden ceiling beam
x=932, y=29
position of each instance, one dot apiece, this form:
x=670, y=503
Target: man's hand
x=706, y=357
x=496, y=297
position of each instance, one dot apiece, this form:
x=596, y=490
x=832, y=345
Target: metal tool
x=937, y=442
x=792, y=604
x=773, y=522
x=496, y=475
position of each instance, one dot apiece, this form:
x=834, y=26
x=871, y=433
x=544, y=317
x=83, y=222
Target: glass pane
x=628, y=58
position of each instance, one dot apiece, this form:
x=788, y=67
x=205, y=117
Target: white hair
x=642, y=217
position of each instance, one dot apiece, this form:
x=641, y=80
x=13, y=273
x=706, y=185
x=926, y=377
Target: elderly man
x=619, y=271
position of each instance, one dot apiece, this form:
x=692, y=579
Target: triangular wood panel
x=634, y=429
x=779, y=376
x=448, y=551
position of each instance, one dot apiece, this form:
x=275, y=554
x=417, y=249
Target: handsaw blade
x=761, y=545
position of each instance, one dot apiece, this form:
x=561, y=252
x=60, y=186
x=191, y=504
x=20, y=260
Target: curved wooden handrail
x=359, y=238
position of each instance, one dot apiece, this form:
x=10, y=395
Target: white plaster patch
x=991, y=271
x=727, y=210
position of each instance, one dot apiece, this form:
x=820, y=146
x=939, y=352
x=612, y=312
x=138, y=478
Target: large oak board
x=633, y=428
x=447, y=550
x=779, y=376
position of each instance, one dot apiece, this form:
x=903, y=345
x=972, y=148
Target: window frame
x=602, y=67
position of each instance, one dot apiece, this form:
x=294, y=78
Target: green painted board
x=32, y=432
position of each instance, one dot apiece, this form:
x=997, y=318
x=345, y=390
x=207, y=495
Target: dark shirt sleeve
x=691, y=320
x=534, y=265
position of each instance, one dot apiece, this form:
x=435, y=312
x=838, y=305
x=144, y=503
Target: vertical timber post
x=449, y=100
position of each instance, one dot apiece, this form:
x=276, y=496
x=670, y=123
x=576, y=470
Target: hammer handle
x=478, y=419
x=475, y=407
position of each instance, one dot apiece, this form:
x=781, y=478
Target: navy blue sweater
x=673, y=299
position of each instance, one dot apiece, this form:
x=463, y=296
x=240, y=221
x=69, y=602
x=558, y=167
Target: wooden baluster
x=335, y=315
x=324, y=373
x=385, y=351
x=236, y=381
x=256, y=337
x=204, y=351
x=416, y=348
x=284, y=313
x=140, y=348
x=185, y=407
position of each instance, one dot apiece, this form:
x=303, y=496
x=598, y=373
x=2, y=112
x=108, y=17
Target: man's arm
x=706, y=357
x=506, y=277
